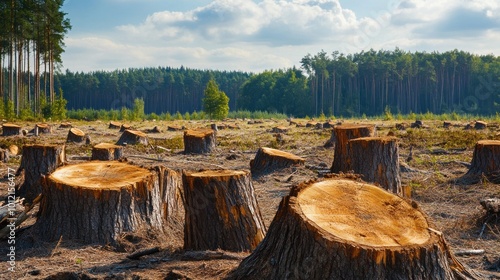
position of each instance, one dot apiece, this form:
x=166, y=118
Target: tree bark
x=377, y=160
x=75, y=135
x=133, y=137
x=342, y=229
x=103, y=200
x=9, y=129
x=485, y=162
x=268, y=160
x=344, y=133
x=221, y=211
x=125, y=127
x=114, y=125
x=36, y=161
x=200, y=141
x=106, y=151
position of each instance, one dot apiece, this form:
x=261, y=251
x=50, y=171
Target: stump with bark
x=36, y=161
x=10, y=129
x=221, y=211
x=107, y=151
x=75, y=135
x=101, y=201
x=268, y=160
x=480, y=125
x=377, y=160
x=342, y=229
x=43, y=128
x=133, y=137
x=485, y=162
x=65, y=125
x=114, y=125
x=344, y=133
x=199, y=141
x=124, y=127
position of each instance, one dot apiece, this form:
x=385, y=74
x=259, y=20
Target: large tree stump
x=114, y=125
x=377, y=160
x=485, y=162
x=75, y=135
x=269, y=160
x=221, y=211
x=199, y=141
x=344, y=133
x=97, y=201
x=107, y=151
x=10, y=129
x=342, y=229
x=133, y=137
x=36, y=161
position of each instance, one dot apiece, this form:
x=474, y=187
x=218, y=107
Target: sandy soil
x=439, y=158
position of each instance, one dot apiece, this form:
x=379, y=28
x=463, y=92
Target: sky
x=253, y=36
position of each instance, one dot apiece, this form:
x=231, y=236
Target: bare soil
x=439, y=157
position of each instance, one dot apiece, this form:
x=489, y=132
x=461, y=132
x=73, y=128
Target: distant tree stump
x=480, y=125
x=280, y=129
x=344, y=133
x=107, y=151
x=199, y=141
x=175, y=128
x=38, y=160
x=377, y=160
x=330, y=142
x=125, y=127
x=221, y=211
x=97, y=201
x=269, y=160
x=65, y=125
x=417, y=124
x=446, y=124
x=10, y=129
x=133, y=137
x=485, y=162
x=114, y=125
x=75, y=135
x=43, y=128
x=342, y=229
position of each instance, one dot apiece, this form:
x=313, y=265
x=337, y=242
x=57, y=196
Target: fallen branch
x=136, y=255
x=4, y=232
x=210, y=255
x=470, y=252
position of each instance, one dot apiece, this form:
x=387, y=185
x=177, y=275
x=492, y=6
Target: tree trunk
x=221, y=211
x=200, y=141
x=344, y=133
x=38, y=160
x=75, y=135
x=377, y=160
x=342, y=229
x=103, y=200
x=268, y=160
x=106, y=151
x=9, y=129
x=485, y=162
x=115, y=125
x=133, y=137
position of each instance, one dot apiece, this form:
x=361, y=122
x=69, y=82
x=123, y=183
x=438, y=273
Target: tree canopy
x=215, y=102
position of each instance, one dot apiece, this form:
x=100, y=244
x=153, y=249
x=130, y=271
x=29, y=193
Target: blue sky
x=254, y=36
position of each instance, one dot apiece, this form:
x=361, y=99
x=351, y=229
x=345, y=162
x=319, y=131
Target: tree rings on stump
x=43, y=128
x=10, y=129
x=75, y=135
x=133, y=137
x=377, y=160
x=199, y=141
x=268, y=160
x=344, y=133
x=342, y=229
x=114, y=125
x=485, y=162
x=38, y=160
x=221, y=211
x=125, y=127
x=107, y=151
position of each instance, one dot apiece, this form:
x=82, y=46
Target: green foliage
x=387, y=113
x=177, y=116
x=187, y=116
x=58, y=107
x=125, y=113
x=138, y=110
x=9, y=113
x=215, y=102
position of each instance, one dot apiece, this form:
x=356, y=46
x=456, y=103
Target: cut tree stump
x=36, y=161
x=199, y=141
x=344, y=133
x=125, y=127
x=107, y=151
x=43, y=128
x=97, y=201
x=268, y=160
x=114, y=125
x=485, y=162
x=377, y=160
x=480, y=125
x=75, y=135
x=65, y=125
x=221, y=211
x=10, y=129
x=343, y=229
x=133, y=137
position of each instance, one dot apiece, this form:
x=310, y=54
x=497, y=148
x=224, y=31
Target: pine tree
x=215, y=102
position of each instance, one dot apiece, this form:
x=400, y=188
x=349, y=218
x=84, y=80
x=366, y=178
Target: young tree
x=215, y=102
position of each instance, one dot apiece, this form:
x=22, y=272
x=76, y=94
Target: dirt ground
x=439, y=158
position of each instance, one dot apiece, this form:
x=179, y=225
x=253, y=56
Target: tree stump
x=446, y=124
x=75, y=135
x=97, y=201
x=175, y=128
x=36, y=161
x=377, y=160
x=480, y=125
x=125, y=127
x=132, y=137
x=43, y=128
x=417, y=124
x=199, y=141
x=221, y=211
x=342, y=229
x=330, y=142
x=485, y=162
x=114, y=125
x=10, y=129
x=107, y=151
x=65, y=125
x=269, y=160
x=344, y=133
